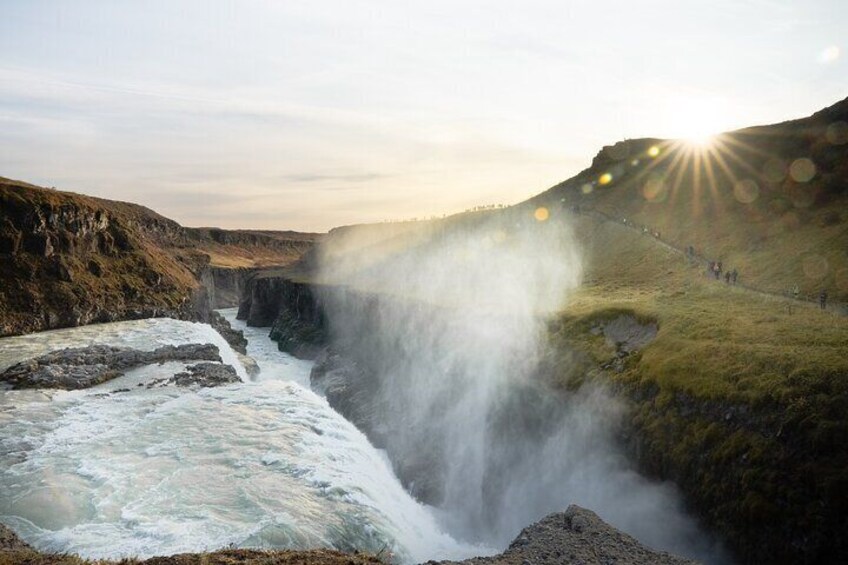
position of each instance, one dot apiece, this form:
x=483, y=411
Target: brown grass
x=223, y=557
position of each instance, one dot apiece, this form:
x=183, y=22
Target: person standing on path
x=823, y=299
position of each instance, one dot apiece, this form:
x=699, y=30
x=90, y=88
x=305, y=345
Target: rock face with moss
x=68, y=260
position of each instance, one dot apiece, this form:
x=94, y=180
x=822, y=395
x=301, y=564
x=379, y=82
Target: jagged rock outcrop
x=292, y=309
x=84, y=367
x=576, y=536
x=233, y=337
x=205, y=375
x=9, y=541
x=611, y=155
x=227, y=285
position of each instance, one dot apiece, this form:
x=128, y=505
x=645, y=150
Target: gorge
x=436, y=387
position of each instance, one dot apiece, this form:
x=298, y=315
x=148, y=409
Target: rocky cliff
x=68, y=259
x=291, y=308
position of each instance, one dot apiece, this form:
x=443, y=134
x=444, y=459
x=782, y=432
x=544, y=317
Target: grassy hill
x=742, y=398
x=769, y=201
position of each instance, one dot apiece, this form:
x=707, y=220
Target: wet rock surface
x=9, y=541
x=575, y=536
x=234, y=337
x=292, y=309
x=206, y=375
x=83, y=367
x=626, y=333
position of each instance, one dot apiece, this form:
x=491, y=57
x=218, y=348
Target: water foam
x=157, y=471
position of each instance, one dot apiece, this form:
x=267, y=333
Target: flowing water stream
x=110, y=472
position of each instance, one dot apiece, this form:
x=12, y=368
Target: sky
x=312, y=114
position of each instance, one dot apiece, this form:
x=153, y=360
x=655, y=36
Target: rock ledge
x=84, y=367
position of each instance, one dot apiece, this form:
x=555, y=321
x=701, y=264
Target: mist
x=446, y=323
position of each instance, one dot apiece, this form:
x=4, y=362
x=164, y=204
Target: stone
x=206, y=375
x=84, y=367
x=9, y=541
x=573, y=537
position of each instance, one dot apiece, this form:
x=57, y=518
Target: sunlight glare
x=697, y=121
x=700, y=140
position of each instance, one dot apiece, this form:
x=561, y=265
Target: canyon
x=571, y=345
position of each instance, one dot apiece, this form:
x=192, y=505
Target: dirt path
x=835, y=308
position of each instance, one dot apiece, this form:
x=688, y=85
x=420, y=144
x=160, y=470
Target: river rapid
x=123, y=470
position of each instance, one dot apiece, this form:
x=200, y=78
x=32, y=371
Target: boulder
x=575, y=536
x=206, y=375
x=9, y=541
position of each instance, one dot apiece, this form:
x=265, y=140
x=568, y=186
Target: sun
x=697, y=121
x=700, y=140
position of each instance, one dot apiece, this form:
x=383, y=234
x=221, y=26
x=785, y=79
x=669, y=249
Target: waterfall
x=123, y=470
x=451, y=331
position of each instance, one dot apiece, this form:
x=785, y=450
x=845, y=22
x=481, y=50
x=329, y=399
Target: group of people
x=643, y=228
x=715, y=269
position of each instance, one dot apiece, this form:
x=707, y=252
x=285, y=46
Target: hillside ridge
x=69, y=259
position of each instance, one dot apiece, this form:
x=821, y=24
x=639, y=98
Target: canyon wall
x=68, y=260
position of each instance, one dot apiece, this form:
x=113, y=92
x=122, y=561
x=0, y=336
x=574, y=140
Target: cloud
x=348, y=103
x=344, y=178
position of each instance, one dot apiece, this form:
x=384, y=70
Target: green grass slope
x=770, y=201
x=742, y=398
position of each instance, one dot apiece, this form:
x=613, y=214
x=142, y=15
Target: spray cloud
x=447, y=323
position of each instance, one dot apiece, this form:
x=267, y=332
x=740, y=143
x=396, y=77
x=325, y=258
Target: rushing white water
x=264, y=463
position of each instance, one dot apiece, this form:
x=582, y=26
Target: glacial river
x=123, y=470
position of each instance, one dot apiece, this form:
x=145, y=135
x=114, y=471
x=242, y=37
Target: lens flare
x=746, y=191
x=802, y=170
x=829, y=54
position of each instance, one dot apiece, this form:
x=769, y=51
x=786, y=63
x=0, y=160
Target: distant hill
x=68, y=259
x=770, y=201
